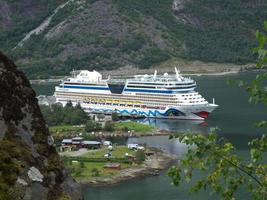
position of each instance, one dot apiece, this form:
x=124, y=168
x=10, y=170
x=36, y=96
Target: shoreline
x=156, y=163
x=130, y=74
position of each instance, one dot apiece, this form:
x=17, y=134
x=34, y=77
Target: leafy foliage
x=225, y=171
x=109, y=126
x=92, y=126
x=58, y=115
x=140, y=156
x=114, y=116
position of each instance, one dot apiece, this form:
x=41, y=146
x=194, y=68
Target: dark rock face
x=30, y=167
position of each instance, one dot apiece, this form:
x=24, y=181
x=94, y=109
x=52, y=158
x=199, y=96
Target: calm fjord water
x=234, y=117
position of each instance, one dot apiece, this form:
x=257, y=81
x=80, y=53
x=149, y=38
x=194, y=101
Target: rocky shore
x=151, y=167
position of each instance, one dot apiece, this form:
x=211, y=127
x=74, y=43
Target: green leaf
x=265, y=25
x=261, y=38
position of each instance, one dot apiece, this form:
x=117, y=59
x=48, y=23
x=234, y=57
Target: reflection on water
x=192, y=126
x=172, y=146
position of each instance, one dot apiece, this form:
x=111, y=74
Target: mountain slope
x=30, y=167
x=107, y=34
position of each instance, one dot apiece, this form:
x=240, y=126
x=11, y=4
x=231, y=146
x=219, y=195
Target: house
x=78, y=142
x=91, y=144
x=66, y=142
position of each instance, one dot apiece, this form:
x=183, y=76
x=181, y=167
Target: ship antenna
x=155, y=74
x=73, y=72
x=177, y=72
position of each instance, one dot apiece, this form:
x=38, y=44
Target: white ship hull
x=171, y=97
x=200, y=112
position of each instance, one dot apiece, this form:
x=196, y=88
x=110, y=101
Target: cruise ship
x=152, y=96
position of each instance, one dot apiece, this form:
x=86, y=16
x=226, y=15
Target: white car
x=140, y=148
x=107, y=143
x=132, y=146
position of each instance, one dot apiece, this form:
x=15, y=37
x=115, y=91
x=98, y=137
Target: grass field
x=82, y=170
x=133, y=126
x=121, y=126
x=91, y=170
x=118, y=152
x=65, y=128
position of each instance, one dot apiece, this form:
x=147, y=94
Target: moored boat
x=153, y=96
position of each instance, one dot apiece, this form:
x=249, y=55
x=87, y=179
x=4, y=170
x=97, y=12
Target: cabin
x=78, y=142
x=91, y=144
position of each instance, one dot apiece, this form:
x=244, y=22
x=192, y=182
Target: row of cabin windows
x=145, y=83
x=172, y=100
x=159, y=87
x=128, y=97
x=134, y=105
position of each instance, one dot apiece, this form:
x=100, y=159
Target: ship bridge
x=162, y=84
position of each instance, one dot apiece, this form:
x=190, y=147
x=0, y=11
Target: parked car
x=107, y=143
x=132, y=146
x=140, y=148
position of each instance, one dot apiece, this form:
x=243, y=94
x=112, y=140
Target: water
x=234, y=117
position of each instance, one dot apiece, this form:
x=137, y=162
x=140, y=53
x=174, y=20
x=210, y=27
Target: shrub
x=109, y=126
x=140, y=156
x=92, y=126
x=114, y=116
x=95, y=172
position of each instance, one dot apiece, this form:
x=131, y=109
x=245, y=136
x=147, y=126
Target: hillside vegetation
x=107, y=34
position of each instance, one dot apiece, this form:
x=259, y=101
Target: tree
x=225, y=171
x=69, y=104
x=92, y=126
x=114, y=116
x=57, y=115
x=140, y=156
x=109, y=126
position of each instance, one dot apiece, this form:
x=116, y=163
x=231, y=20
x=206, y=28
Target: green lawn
x=118, y=152
x=84, y=170
x=65, y=128
x=68, y=130
x=136, y=127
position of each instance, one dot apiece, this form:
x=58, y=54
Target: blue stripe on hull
x=86, y=87
x=125, y=90
x=150, y=113
x=150, y=91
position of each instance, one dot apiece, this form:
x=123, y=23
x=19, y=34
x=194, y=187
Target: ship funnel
x=155, y=74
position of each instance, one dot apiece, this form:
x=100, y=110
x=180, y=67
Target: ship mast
x=178, y=76
x=155, y=74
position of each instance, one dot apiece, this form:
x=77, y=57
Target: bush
x=95, y=172
x=109, y=126
x=59, y=115
x=152, y=56
x=114, y=116
x=92, y=126
x=140, y=156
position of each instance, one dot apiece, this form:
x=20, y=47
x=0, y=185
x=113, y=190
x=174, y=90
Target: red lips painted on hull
x=202, y=114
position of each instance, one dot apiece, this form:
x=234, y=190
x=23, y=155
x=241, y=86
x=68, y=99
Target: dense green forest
x=102, y=34
x=59, y=115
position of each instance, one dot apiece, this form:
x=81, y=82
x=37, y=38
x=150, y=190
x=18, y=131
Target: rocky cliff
x=30, y=167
